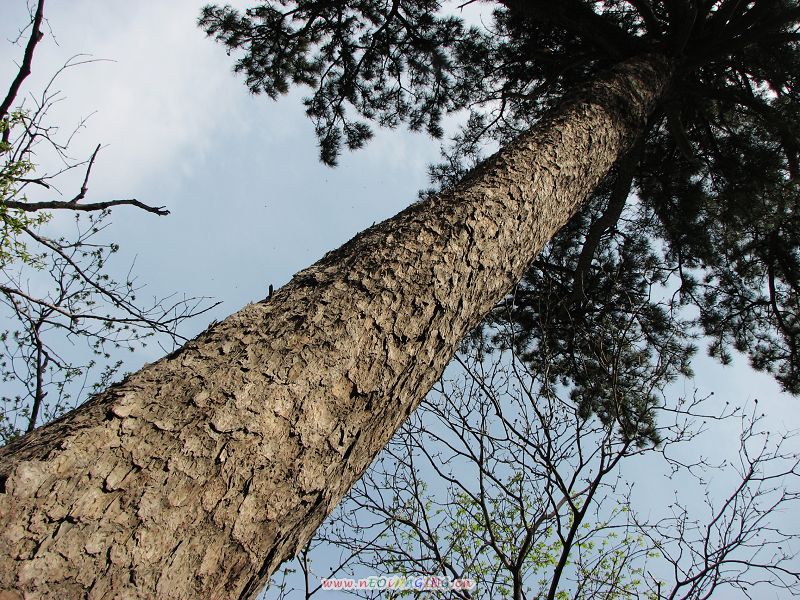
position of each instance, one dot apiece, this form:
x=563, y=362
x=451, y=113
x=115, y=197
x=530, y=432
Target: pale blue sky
x=250, y=202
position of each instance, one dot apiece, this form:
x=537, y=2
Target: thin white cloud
x=159, y=105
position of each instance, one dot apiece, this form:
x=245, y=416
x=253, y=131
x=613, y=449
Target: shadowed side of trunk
x=201, y=473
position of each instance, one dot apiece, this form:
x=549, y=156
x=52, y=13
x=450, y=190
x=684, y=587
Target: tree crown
x=704, y=206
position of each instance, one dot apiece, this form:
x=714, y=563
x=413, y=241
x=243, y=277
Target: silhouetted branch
x=94, y=206
x=27, y=61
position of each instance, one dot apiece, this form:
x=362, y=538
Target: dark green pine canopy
x=697, y=228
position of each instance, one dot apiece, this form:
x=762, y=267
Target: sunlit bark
x=201, y=473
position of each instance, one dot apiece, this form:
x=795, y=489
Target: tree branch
x=577, y=18
x=678, y=132
x=651, y=22
x=73, y=204
x=619, y=196
x=27, y=60
x=56, y=205
x=85, y=185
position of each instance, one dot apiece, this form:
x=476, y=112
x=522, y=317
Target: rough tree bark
x=201, y=473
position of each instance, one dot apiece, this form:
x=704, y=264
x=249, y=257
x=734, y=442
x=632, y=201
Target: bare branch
x=94, y=206
x=27, y=60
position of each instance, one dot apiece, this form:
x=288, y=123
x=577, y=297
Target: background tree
x=59, y=298
x=500, y=478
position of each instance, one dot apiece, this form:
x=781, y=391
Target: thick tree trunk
x=197, y=476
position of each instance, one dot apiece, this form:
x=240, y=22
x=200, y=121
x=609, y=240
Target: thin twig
x=85, y=185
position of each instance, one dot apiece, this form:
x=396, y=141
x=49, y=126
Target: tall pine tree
x=201, y=473
x=704, y=197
